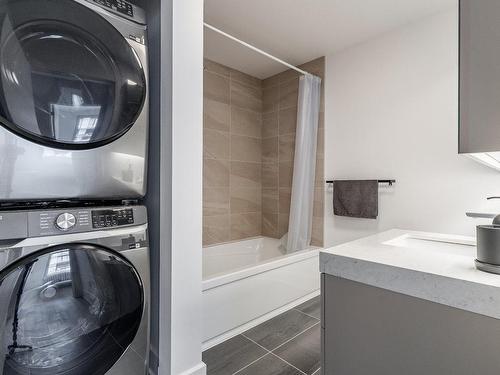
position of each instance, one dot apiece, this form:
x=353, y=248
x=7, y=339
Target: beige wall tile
x=270, y=124
x=270, y=150
x=320, y=173
x=271, y=81
x=317, y=232
x=246, y=122
x=246, y=96
x=270, y=173
x=245, y=78
x=285, y=200
x=282, y=224
x=316, y=67
x=216, y=229
x=215, y=173
x=213, y=67
x=319, y=198
x=288, y=120
x=270, y=200
x=215, y=201
x=288, y=75
x=216, y=115
x=270, y=225
x=215, y=144
x=244, y=200
x=246, y=174
x=270, y=99
x=285, y=174
x=320, y=149
x=246, y=148
x=289, y=94
x=246, y=225
x=287, y=147
x=215, y=87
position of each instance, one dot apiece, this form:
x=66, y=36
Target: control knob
x=65, y=221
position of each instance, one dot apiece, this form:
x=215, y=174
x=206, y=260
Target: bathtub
x=250, y=281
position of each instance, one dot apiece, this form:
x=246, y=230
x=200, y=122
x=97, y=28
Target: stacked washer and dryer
x=74, y=253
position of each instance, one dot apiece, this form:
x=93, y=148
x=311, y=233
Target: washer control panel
x=112, y=218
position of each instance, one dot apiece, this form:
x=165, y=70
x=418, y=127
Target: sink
x=457, y=245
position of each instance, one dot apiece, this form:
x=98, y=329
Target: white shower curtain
x=304, y=169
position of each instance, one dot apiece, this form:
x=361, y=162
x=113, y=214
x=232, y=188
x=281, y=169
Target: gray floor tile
x=311, y=307
x=276, y=331
x=231, y=356
x=269, y=365
x=304, y=351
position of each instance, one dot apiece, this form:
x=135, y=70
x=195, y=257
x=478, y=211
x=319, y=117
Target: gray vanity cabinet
x=479, y=76
x=372, y=331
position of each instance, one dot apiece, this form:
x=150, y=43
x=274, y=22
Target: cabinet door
x=479, y=76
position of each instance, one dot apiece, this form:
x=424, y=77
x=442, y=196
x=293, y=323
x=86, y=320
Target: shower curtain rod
x=255, y=49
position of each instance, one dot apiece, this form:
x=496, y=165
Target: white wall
x=186, y=215
x=392, y=112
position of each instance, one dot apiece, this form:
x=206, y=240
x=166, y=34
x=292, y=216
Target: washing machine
x=74, y=291
x=73, y=100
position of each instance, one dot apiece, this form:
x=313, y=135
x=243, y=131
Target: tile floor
x=288, y=344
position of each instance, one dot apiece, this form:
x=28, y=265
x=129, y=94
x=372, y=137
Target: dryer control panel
x=22, y=224
x=119, y=6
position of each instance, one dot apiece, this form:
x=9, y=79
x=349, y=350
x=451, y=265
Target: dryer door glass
x=71, y=310
x=68, y=78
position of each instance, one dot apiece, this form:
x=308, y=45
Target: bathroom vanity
x=405, y=302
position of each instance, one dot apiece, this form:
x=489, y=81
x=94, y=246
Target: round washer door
x=68, y=78
x=70, y=309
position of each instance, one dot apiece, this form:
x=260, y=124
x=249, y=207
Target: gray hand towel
x=356, y=198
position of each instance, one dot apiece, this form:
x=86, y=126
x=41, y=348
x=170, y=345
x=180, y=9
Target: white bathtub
x=250, y=281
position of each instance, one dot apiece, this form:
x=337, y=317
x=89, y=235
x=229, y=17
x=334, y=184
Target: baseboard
x=261, y=319
x=200, y=369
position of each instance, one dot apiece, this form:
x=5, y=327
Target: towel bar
x=390, y=182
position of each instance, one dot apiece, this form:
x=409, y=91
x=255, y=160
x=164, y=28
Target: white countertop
x=435, y=267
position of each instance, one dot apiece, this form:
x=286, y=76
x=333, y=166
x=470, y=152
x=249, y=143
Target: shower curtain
x=304, y=169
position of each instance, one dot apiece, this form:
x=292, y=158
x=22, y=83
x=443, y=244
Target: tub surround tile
x=304, y=351
x=270, y=224
x=270, y=99
x=246, y=174
x=245, y=200
x=270, y=124
x=246, y=149
x=317, y=232
x=216, y=229
x=213, y=67
x=270, y=365
x=215, y=201
x=311, y=307
x=288, y=120
x=245, y=79
x=270, y=200
x=216, y=87
x=231, y=356
x=246, y=122
x=246, y=96
x=285, y=174
x=270, y=175
x=287, y=147
x=282, y=224
x=215, y=173
x=246, y=225
x=270, y=150
x=285, y=196
x=249, y=146
x=215, y=144
x=280, y=329
x=289, y=93
x=216, y=115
